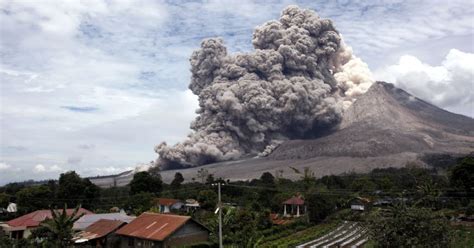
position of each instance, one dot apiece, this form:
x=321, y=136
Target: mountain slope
x=387, y=120
x=385, y=127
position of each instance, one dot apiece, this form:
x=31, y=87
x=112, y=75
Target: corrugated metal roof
x=296, y=200
x=88, y=220
x=33, y=219
x=97, y=230
x=153, y=226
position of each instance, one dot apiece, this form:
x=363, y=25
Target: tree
x=139, y=203
x=60, y=226
x=70, y=186
x=267, y=178
x=178, y=179
x=403, y=226
x=202, y=174
x=207, y=198
x=462, y=175
x=144, y=182
x=4, y=200
x=75, y=190
x=320, y=206
x=33, y=198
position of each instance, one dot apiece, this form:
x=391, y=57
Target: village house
x=162, y=230
x=99, y=234
x=191, y=205
x=87, y=220
x=167, y=205
x=360, y=204
x=294, y=207
x=22, y=226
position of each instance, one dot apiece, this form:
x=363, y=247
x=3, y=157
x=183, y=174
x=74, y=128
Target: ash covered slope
x=387, y=120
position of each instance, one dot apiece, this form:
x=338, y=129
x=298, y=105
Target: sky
x=94, y=85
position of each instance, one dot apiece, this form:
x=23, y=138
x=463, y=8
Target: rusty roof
x=296, y=200
x=166, y=201
x=34, y=219
x=98, y=229
x=153, y=226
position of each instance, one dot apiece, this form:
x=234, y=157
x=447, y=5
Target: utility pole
x=220, y=214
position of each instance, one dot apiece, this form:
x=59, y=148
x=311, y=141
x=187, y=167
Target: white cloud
x=4, y=166
x=39, y=168
x=449, y=85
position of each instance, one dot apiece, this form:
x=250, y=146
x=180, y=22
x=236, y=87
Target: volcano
x=385, y=127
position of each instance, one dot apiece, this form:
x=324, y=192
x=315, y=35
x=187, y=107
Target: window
x=131, y=241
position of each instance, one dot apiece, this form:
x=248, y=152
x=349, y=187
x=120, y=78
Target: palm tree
x=61, y=225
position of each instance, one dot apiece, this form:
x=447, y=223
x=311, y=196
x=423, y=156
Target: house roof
x=166, y=201
x=33, y=219
x=153, y=226
x=295, y=200
x=276, y=220
x=97, y=230
x=87, y=220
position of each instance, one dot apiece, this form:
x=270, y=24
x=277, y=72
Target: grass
x=299, y=237
x=463, y=237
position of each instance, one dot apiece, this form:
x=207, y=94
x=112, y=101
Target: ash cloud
x=296, y=84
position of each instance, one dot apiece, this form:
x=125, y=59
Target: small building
x=360, y=204
x=191, y=205
x=87, y=220
x=294, y=207
x=99, y=234
x=12, y=208
x=21, y=227
x=162, y=230
x=167, y=205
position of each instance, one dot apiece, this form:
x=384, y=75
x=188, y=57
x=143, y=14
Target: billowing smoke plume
x=296, y=84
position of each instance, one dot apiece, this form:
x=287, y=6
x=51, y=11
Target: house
x=21, y=227
x=191, y=205
x=360, y=204
x=166, y=205
x=99, y=234
x=12, y=208
x=294, y=207
x=162, y=230
x=87, y=220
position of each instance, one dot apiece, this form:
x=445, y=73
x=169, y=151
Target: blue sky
x=93, y=85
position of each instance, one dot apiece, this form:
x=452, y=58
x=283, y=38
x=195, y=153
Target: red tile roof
x=166, y=201
x=34, y=219
x=276, y=220
x=99, y=229
x=296, y=200
x=153, y=226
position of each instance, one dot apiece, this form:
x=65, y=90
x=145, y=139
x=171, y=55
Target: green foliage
x=319, y=206
x=74, y=190
x=33, y=198
x=4, y=200
x=288, y=237
x=207, y=199
x=462, y=175
x=139, y=203
x=60, y=226
x=402, y=226
x=267, y=178
x=144, y=182
x=462, y=237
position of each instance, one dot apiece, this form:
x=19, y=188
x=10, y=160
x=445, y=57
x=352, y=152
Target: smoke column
x=296, y=84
